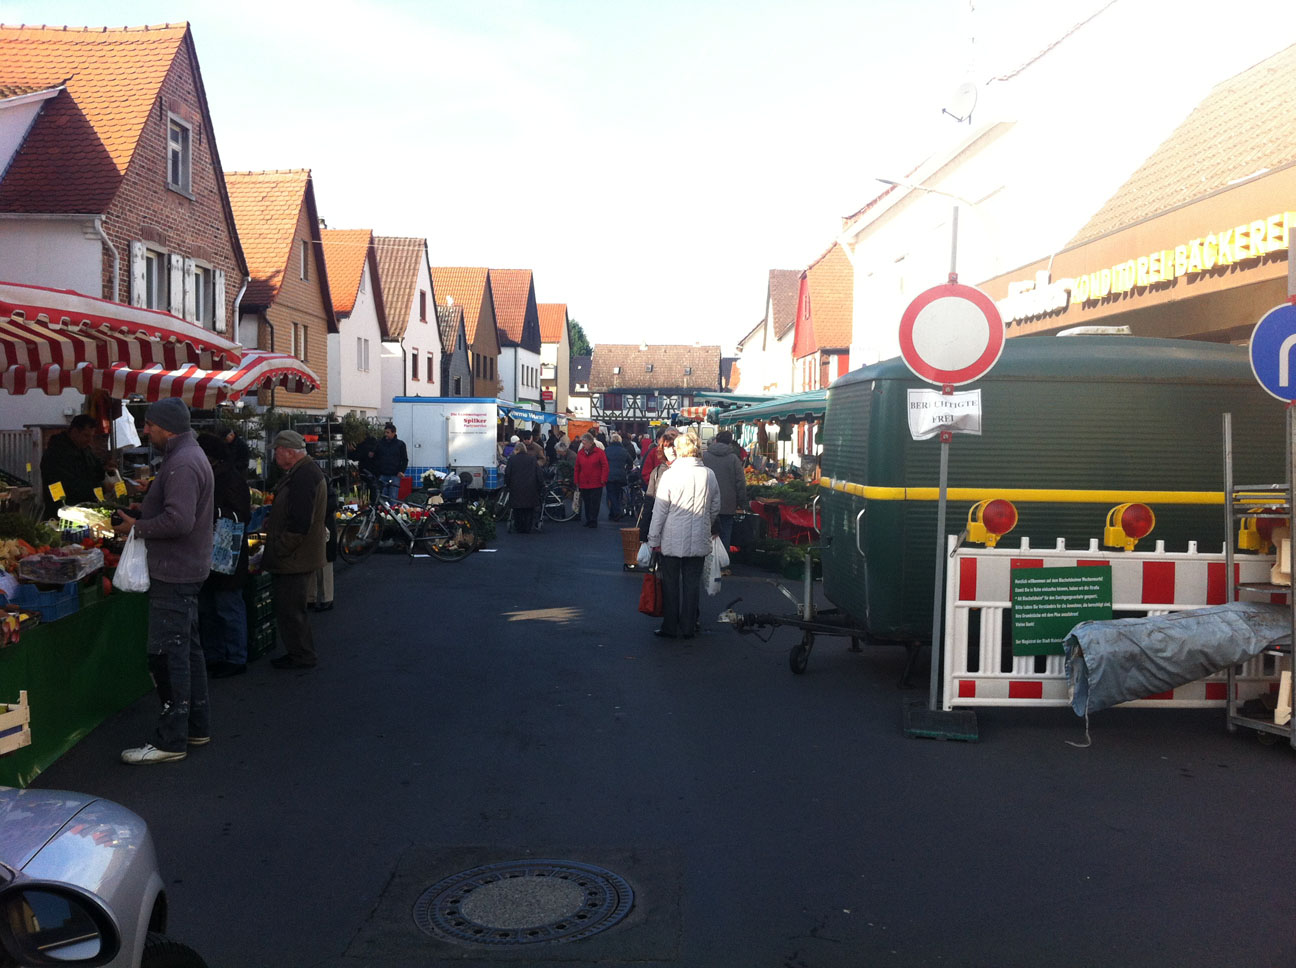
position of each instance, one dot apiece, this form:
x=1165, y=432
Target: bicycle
x=560, y=501
x=445, y=531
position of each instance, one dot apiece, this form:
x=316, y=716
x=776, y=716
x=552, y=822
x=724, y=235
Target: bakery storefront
x=1208, y=269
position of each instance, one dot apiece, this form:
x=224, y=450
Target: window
x=302, y=344
x=422, y=305
x=648, y=367
x=458, y=386
x=616, y=370
x=179, y=163
x=156, y=290
x=414, y=367
x=430, y=377
x=203, y=296
x=362, y=354
x=688, y=371
x=363, y=273
x=303, y=256
x=461, y=341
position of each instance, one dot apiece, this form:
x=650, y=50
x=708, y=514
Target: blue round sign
x=1273, y=351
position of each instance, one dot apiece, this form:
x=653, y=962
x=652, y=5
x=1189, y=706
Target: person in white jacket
x=684, y=517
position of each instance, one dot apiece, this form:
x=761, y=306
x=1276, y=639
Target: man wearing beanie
x=175, y=520
x=294, y=551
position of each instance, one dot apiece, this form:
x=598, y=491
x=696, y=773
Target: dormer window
x=179, y=160
x=616, y=370
x=688, y=371
x=647, y=367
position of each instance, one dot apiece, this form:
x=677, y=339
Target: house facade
x=632, y=387
x=578, y=400
x=456, y=371
x=411, y=362
x=765, y=353
x=470, y=288
x=110, y=180
x=821, y=343
x=555, y=356
x=288, y=306
x=517, y=320
x=355, y=350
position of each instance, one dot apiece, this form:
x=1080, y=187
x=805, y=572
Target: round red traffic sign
x=951, y=335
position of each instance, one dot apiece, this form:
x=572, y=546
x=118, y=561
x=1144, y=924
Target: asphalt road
x=515, y=706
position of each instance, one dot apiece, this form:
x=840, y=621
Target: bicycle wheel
x=558, y=504
x=358, y=535
x=633, y=503
x=448, y=535
x=499, y=504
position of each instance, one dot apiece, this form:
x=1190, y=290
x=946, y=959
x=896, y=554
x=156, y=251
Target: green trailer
x=1071, y=427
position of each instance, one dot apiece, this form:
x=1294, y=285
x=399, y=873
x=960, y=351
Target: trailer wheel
x=1266, y=738
x=799, y=657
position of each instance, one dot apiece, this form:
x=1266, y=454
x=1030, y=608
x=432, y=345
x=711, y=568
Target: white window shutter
x=139, y=290
x=190, y=297
x=175, y=289
x=218, y=300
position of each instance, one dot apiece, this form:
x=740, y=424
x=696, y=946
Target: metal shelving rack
x=1271, y=501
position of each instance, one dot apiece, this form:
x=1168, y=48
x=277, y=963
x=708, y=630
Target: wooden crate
x=15, y=724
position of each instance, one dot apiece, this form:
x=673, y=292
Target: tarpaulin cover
x=1119, y=660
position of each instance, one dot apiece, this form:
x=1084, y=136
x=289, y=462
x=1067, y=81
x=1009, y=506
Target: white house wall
x=357, y=389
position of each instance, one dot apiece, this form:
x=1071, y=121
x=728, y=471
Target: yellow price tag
x=98, y=493
x=120, y=488
x=56, y=491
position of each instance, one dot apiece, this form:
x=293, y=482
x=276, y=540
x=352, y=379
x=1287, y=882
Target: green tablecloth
x=77, y=671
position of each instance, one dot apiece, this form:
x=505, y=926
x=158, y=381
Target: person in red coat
x=590, y=475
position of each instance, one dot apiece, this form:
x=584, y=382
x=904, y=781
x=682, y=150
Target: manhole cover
x=524, y=902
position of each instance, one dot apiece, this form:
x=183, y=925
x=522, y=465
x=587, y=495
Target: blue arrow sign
x=1273, y=351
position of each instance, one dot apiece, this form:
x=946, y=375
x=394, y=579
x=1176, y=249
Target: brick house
x=471, y=288
x=456, y=371
x=288, y=306
x=110, y=180
x=631, y=386
x=355, y=350
x=411, y=362
x=555, y=356
x=517, y=321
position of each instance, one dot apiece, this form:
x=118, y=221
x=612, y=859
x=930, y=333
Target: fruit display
x=60, y=565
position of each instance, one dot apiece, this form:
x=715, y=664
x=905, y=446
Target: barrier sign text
x=931, y=411
x=1047, y=603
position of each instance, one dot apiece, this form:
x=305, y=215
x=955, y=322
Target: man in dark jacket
x=619, y=461
x=525, y=483
x=294, y=551
x=69, y=461
x=175, y=519
x=722, y=457
x=222, y=615
x=390, y=461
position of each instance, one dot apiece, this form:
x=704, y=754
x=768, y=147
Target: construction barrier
x=981, y=670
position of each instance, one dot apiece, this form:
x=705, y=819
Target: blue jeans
x=177, y=663
x=614, y=491
x=390, y=484
x=724, y=524
x=222, y=624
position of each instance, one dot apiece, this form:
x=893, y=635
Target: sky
x=652, y=161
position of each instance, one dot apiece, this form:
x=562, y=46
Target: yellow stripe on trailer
x=1023, y=495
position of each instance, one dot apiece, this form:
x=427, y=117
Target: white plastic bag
x=644, y=558
x=711, y=574
x=132, y=570
x=720, y=551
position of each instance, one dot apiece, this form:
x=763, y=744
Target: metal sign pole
x=933, y=702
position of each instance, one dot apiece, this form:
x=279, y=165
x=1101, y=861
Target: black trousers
x=290, y=615
x=523, y=520
x=591, y=498
x=681, y=594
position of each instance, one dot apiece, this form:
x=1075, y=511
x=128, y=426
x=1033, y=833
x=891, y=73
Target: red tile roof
x=513, y=294
x=832, y=299
x=399, y=260
x=553, y=321
x=77, y=151
x=345, y=253
x=267, y=207
x=668, y=363
x=467, y=287
x=1240, y=129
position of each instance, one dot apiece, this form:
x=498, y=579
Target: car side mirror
x=46, y=923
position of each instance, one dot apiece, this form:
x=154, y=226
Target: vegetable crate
x=15, y=724
x=258, y=597
x=52, y=605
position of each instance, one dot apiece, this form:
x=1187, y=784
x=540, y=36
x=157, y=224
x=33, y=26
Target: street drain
x=524, y=902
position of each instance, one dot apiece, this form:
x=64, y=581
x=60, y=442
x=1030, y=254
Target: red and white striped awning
x=53, y=332
x=199, y=388
x=696, y=413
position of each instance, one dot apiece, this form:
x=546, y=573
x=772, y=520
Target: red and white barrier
x=980, y=669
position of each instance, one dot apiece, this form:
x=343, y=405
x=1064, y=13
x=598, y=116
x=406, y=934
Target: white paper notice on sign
x=931, y=411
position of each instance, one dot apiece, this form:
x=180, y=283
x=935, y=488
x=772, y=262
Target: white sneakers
x=148, y=753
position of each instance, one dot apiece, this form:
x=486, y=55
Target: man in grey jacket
x=722, y=457
x=176, y=520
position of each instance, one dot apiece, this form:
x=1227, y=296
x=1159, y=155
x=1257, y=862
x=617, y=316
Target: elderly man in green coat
x=295, y=546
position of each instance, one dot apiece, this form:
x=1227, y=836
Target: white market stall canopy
x=53, y=333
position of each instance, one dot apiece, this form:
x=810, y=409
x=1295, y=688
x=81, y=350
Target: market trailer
x=1072, y=426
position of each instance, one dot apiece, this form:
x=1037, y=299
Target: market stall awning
x=53, y=332
x=723, y=398
x=199, y=388
x=798, y=406
x=518, y=412
x=696, y=413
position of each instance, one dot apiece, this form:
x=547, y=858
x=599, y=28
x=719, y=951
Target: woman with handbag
x=684, y=517
x=222, y=615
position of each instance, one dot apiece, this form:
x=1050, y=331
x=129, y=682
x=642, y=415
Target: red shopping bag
x=650, y=596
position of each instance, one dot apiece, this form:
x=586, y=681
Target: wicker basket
x=629, y=545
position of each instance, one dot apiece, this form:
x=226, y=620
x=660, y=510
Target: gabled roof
x=553, y=321
x=467, y=286
x=754, y=331
x=579, y=371
x=399, y=261
x=782, y=295
x=669, y=365
x=77, y=151
x=832, y=298
x=1242, y=128
x=345, y=252
x=514, y=297
x=450, y=320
